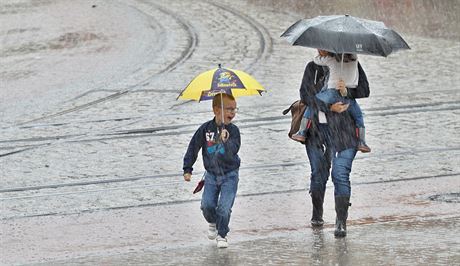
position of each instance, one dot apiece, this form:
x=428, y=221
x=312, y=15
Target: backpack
x=297, y=109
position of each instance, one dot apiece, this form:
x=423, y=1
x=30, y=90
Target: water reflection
x=317, y=246
x=220, y=257
x=341, y=251
x=328, y=250
x=400, y=243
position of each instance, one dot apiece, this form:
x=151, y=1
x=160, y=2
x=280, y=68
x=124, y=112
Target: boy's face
x=229, y=111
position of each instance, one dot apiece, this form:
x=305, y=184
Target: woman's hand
x=341, y=88
x=339, y=107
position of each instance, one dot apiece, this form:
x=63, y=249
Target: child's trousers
x=330, y=96
x=218, y=198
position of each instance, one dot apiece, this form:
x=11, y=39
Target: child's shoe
x=212, y=231
x=222, y=242
x=299, y=136
x=362, y=146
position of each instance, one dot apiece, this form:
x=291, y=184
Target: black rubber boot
x=341, y=208
x=317, y=198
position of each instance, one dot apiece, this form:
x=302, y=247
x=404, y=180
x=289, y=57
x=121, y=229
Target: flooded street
x=92, y=136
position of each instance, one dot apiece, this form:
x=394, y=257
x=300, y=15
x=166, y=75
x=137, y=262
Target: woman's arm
x=362, y=91
x=312, y=81
x=308, y=81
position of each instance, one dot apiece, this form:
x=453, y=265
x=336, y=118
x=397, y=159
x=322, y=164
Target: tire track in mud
x=266, y=47
x=176, y=202
x=243, y=123
x=192, y=41
x=266, y=43
x=263, y=166
x=281, y=107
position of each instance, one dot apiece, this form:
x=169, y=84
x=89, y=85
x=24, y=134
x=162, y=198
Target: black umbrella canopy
x=345, y=34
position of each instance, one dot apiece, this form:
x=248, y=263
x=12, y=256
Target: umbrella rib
x=369, y=29
x=380, y=40
x=294, y=33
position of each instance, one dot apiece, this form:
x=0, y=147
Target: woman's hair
x=216, y=101
x=346, y=57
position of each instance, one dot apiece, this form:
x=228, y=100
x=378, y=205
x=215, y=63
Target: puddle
x=447, y=197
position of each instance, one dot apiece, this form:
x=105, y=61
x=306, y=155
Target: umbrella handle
x=222, y=124
x=341, y=65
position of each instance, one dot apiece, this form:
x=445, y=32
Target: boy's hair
x=216, y=101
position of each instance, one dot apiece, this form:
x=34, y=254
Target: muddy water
x=315, y=247
x=90, y=122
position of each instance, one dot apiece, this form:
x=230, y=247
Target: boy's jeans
x=217, y=200
x=330, y=96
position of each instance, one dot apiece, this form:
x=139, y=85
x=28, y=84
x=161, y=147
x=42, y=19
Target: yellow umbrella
x=221, y=80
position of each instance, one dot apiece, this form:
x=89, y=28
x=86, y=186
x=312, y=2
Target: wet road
x=314, y=247
x=92, y=137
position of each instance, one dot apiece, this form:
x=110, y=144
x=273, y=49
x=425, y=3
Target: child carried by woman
x=343, y=69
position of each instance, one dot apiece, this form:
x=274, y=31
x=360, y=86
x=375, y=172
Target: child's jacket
x=218, y=158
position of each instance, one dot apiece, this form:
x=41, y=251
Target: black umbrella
x=345, y=34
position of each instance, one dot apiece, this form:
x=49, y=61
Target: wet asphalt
x=92, y=136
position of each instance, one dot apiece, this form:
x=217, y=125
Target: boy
x=220, y=142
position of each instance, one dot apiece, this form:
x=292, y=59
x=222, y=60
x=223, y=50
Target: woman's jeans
x=217, y=200
x=331, y=96
x=321, y=158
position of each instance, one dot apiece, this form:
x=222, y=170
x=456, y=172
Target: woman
x=331, y=143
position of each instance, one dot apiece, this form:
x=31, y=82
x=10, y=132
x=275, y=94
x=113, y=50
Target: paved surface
x=397, y=227
x=92, y=137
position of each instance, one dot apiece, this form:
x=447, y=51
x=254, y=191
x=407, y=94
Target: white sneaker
x=222, y=242
x=212, y=231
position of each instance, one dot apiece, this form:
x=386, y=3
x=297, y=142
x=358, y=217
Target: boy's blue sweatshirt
x=218, y=158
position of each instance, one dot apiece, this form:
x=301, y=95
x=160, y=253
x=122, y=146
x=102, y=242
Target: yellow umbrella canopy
x=212, y=82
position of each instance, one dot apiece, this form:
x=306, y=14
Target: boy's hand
x=187, y=177
x=224, y=135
